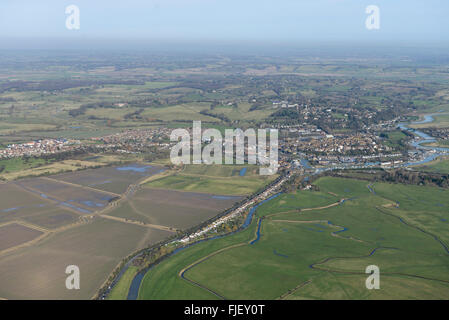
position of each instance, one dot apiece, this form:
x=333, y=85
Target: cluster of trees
x=256, y=106
x=415, y=177
x=398, y=144
x=205, y=84
x=289, y=113
x=293, y=184
x=135, y=115
x=220, y=116
x=403, y=176
x=83, y=108
x=439, y=133
x=214, y=104
x=154, y=153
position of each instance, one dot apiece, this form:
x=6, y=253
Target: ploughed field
x=15, y=234
x=92, y=219
x=171, y=208
x=19, y=204
x=68, y=196
x=111, y=179
x=38, y=271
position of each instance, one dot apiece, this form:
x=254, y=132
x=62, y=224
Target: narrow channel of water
x=434, y=152
x=136, y=282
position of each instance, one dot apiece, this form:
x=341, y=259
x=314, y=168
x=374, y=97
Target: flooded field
x=93, y=219
x=111, y=179
x=68, y=196
x=13, y=198
x=17, y=204
x=171, y=208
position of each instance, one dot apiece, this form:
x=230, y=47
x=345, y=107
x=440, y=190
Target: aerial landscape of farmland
x=229, y=159
x=95, y=209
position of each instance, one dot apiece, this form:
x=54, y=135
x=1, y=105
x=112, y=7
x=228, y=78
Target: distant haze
x=41, y=23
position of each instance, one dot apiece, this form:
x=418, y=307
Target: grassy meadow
x=311, y=247
x=214, y=179
x=440, y=165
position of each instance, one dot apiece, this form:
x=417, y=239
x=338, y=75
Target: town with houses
x=38, y=148
x=296, y=141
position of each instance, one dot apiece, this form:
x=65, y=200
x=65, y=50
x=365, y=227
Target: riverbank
x=195, y=238
x=421, y=143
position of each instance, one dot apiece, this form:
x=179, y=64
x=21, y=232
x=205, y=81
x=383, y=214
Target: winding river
x=430, y=154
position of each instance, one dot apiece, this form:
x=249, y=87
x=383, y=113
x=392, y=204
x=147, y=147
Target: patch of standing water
x=138, y=169
x=66, y=204
x=224, y=197
x=10, y=209
x=279, y=254
x=99, y=183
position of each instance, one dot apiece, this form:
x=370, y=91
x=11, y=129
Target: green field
x=440, y=165
x=215, y=179
x=395, y=139
x=19, y=164
x=441, y=121
x=439, y=144
x=322, y=253
x=120, y=291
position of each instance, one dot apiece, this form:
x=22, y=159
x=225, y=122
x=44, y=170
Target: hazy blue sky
x=228, y=20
